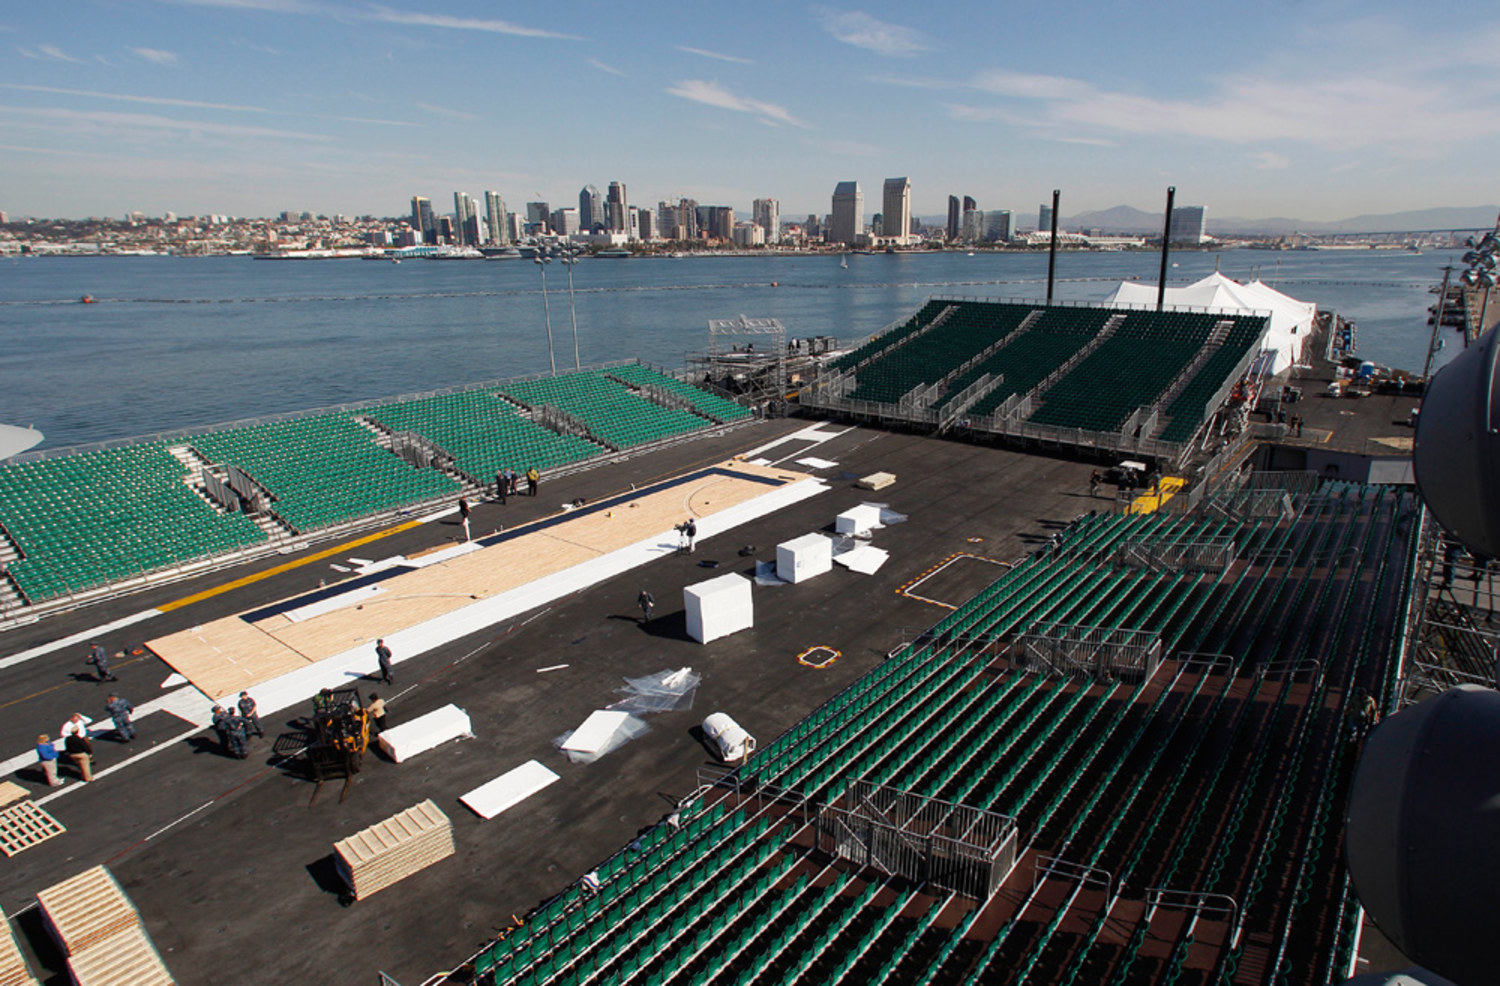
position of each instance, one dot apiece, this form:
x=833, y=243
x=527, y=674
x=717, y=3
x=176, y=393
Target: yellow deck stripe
x=279, y=569
x=1148, y=503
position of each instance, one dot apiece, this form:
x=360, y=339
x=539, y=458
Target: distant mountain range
x=1127, y=220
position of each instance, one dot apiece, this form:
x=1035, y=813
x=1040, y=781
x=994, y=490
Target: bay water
x=178, y=342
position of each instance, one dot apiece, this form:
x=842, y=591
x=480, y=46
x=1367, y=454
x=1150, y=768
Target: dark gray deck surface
x=229, y=864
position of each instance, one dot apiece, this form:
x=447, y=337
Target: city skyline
x=251, y=107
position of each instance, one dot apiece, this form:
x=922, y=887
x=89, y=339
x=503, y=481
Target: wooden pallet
x=388, y=851
x=126, y=959
x=24, y=825
x=13, y=971
x=86, y=910
x=11, y=791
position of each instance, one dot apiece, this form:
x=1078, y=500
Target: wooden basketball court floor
x=421, y=602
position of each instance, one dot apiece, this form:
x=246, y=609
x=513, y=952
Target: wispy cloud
x=713, y=94
x=143, y=126
x=391, y=16
x=605, y=68
x=715, y=54
x=156, y=56
x=447, y=112
x=193, y=104
x=857, y=28
x=48, y=53
x=122, y=97
x=1350, y=110
x=1271, y=161
x=268, y=6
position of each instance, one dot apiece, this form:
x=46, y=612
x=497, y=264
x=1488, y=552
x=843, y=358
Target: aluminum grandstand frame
x=965, y=850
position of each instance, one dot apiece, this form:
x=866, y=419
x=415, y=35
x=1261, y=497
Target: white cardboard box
x=425, y=732
x=509, y=789
x=857, y=520
x=802, y=558
x=718, y=607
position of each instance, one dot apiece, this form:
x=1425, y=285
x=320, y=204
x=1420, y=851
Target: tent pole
x=1052, y=246
x=1166, y=237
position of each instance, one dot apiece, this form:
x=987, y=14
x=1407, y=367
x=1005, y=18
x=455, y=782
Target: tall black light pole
x=569, y=259
x=542, y=261
x=1166, y=239
x=1052, y=246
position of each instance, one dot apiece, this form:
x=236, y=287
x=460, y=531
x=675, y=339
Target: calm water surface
x=179, y=342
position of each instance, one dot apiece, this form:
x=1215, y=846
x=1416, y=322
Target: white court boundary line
x=77, y=638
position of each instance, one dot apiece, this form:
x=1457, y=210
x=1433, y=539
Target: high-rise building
x=954, y=217
x=666, y=221
x=973, y=221
x=494, y=219
x=538, y=216
x=1187, y=225
x=687, y=219
x=896, y=209
x=466, y=219
x=422, y=219
x=590, y=209
x=721, y=222
x=848, y=213
x=997, y=226
x=1044, y=219
x=564, y=222
x=515, y=225
x=646, y=225
x=766, y=213
x=812, y=229
x=445, y=232
x=617, y=208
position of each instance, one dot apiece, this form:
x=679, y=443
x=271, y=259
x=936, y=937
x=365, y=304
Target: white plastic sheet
x=664, y=691
x=601, y=733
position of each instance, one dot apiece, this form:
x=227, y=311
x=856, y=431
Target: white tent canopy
x=1291, y=320
x=14, y=440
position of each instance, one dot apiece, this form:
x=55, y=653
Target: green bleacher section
x=876, y=343
x=1189, y=408
x=609, y=409
x=1220, y=775
x=87, y=520
x=712, y=405
x=926, y=359
x=1129, y=370
x=322, y=470
x=483, y=433
x=1058, y=334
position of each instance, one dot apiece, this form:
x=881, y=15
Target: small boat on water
x=844, y=262
x=87, y=299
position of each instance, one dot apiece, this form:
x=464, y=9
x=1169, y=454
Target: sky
x=1282, y=108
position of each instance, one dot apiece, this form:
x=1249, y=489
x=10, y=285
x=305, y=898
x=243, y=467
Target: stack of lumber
x=127, y=959
x=394, y=849
x=13, y=971
x=100, y=932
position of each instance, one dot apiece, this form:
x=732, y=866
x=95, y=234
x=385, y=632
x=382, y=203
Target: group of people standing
x=78, y=745
x=507, y=482
x=234, y=726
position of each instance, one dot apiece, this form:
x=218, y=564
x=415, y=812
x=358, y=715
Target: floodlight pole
x=1052, y=246
x=569, y=259
x=542, y=262
x=1166, y=240
x=1437, y=323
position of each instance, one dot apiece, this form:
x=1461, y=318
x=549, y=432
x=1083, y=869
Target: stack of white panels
x=425, y=732
x=718, y=607
x=802, y=558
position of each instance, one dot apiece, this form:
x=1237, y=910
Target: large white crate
x=802, y=558
x=857, y=520
x=425, y=732
x=718, y=607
